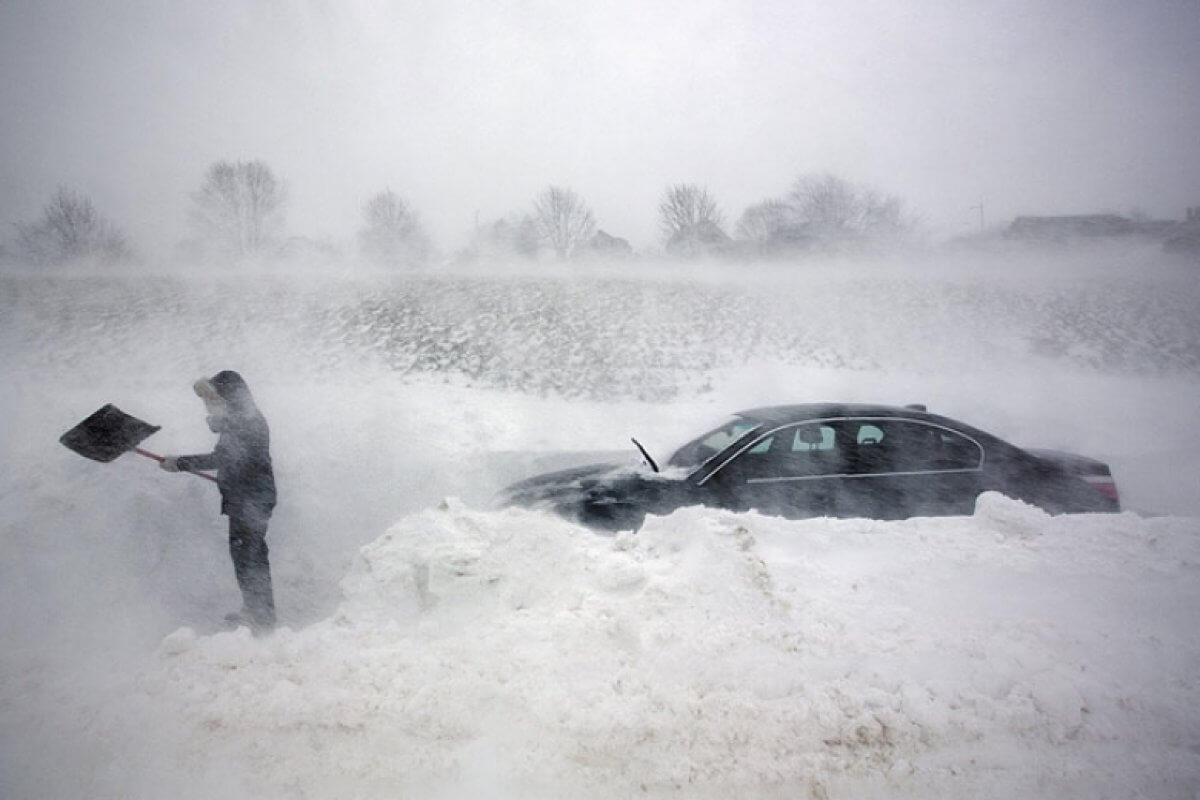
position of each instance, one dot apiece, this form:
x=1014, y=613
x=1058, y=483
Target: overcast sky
x=469, y=107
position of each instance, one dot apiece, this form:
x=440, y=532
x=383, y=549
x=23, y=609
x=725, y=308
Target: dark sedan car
x=796, y=461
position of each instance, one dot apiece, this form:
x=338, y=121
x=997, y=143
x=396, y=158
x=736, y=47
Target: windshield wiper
x=645, y=455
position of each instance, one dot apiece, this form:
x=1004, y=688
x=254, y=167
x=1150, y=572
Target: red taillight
x=1106, y=486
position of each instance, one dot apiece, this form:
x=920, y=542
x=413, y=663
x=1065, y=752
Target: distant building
x=1078, y=226
x=603, y=245
x=1175, y=235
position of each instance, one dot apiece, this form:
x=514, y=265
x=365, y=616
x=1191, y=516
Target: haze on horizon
x=468, y=108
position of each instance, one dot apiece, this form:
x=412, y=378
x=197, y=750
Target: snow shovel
x=110, y=432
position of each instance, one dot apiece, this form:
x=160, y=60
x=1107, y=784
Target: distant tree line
x=820, y=213
x=238, y=212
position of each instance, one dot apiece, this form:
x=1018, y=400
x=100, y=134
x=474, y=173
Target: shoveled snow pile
x=511, y=654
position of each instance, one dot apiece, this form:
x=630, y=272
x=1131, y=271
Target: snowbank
x=509, y=654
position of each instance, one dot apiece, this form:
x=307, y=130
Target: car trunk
x=1095, y=473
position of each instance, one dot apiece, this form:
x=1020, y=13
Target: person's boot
x=261, y=621
x=258, y=625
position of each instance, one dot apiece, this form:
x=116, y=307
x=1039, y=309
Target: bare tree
x=686, y=207
x=562, y=220
x=835, y=209
x=71, y=229
x=392, y=232
x=761, y=222
x=239, y=207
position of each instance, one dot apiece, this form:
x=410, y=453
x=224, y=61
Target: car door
x=783, y=472
x=902, y=468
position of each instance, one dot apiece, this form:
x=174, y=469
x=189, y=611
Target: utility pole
x=980, y=207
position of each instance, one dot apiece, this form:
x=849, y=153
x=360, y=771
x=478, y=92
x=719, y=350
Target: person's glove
x=170, y=464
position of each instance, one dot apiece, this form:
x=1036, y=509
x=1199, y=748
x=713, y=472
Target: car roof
x=780, y=415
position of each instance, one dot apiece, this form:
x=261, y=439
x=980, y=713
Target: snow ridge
x=713, y=654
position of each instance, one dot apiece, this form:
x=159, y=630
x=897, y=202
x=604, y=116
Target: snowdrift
x=509, y=654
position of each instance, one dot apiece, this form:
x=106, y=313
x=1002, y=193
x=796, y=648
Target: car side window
x=868, y=434
x=953, y=451
x=883, y=446
x=813, y=438
x=797, y=451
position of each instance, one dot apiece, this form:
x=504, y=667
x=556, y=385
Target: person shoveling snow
x=242, y=459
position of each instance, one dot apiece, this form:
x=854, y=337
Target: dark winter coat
x=242, y=457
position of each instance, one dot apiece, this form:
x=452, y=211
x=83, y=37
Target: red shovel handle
x=161, y=459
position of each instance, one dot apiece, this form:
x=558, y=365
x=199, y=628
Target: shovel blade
x=107, y=434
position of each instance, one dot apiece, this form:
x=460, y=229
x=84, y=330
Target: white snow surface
x=713, y=655
x=436, y=646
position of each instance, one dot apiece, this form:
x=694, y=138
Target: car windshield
x=702, y=448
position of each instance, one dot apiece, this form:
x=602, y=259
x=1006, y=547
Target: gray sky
x=472, y=106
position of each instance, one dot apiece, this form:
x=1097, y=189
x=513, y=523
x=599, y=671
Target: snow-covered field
x=438, y=647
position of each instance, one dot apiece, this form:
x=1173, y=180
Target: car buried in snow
x=814, y=460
